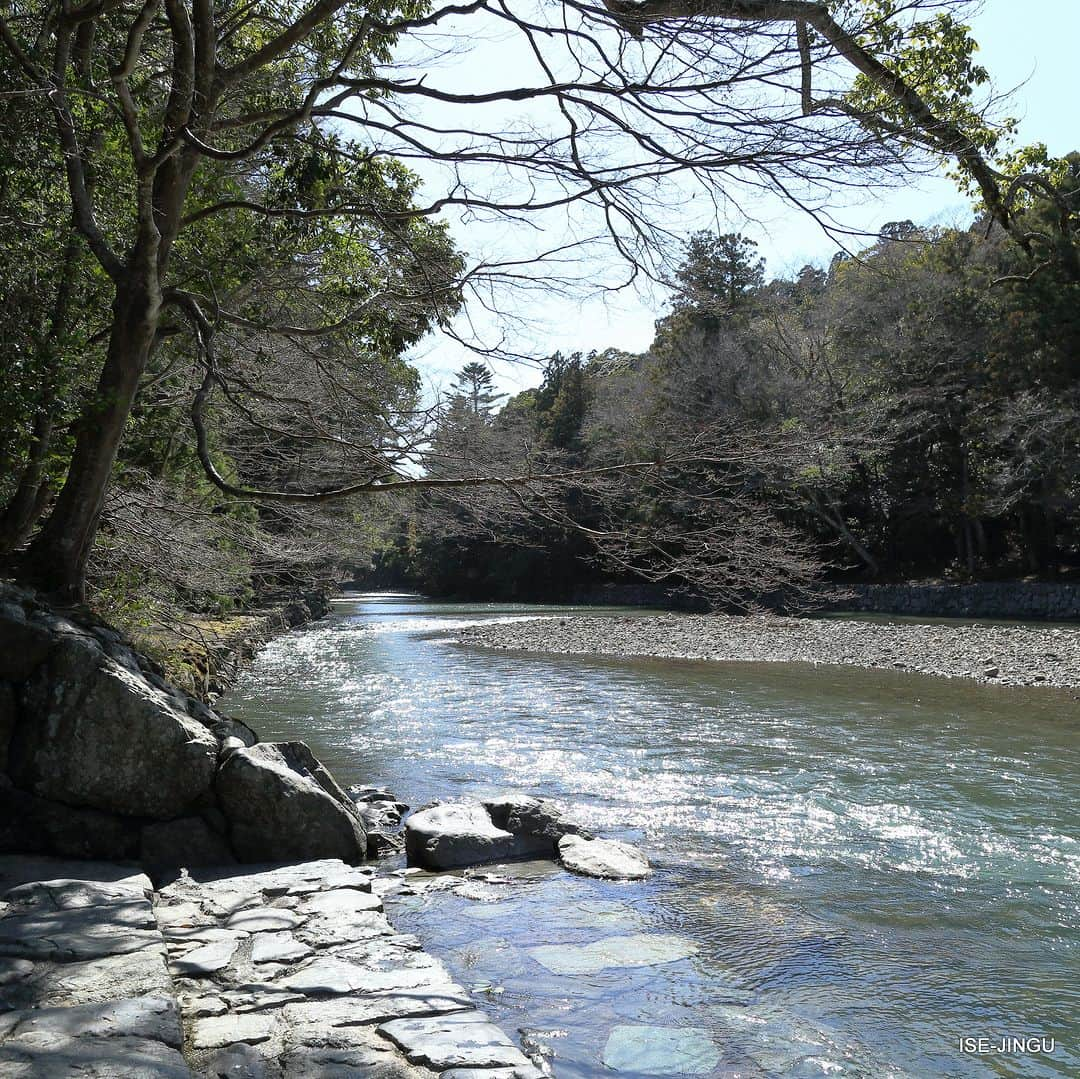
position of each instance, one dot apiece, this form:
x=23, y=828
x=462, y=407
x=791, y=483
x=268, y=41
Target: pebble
x=1017, y=655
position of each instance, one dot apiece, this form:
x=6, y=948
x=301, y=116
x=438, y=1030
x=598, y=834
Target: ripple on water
x=865, y=866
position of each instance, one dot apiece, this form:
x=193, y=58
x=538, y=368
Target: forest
x=913, y=411
x=222, y=232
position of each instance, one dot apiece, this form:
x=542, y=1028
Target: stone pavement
x=289, y=972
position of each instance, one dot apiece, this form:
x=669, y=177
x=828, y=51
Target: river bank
x=1016, y=655
x=289, y=971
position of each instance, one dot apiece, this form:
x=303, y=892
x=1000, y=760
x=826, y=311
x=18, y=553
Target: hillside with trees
x=913, y=411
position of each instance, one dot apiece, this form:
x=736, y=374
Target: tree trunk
x=27, y=503
x=56, y=560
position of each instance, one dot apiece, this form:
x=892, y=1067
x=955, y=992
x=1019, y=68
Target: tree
x=474, y=383
x=276, y=130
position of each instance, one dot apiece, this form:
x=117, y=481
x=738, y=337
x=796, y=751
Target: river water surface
x=855, y=869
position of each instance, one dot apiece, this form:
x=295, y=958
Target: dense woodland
x=912, y=411
x=216, y=253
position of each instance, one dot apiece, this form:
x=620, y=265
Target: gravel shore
x=1001, y=654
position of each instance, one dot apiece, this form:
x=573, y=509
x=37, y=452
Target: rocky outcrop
x=604, y=858
x=91, y=728
x=101, y=758
x=506, y=829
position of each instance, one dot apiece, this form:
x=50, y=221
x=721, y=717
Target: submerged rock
x=635, y=950
x=648, y=1050
x=605, y=858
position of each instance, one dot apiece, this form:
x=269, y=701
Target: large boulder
x=9, y=711
x=605, y=858
x=460, y=834
x=23, y=645
x=95, y=733
x=186, y=842
x=32, y=825
x=282, y=804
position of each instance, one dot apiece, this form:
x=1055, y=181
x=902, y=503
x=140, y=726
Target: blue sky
x=1029, y=48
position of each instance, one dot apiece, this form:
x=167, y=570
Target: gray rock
x=333, y=976
x=187, y=841
x=24, y=646
x=523, y=815
x=282, y=804
x=80, y=933
x=261, y=919
x=463, y=1039
x=462, y=833
x=34, y=825
x=349, y=1053
x=606, y=858
x=57, y=1057
x=661, y=1051
x=240, y=1061
x=309, y=1020
x=154, y=1018
x=227, y=728
x=339, y=902
x=8, y=715
x=229, y=746
x=220, y=1030
x=384, y=844
x=93, y=733
x=278, y=948
x=207, y=959
x=614, y=953
x=111, y=977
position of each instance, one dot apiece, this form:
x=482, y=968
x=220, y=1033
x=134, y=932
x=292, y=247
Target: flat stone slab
x=331, y=976
x=250, y=1028
x=92, y=1058
x=207, y=959
x=604, y=858
x=80, y=932
x=636, y=950
x=278, y=948
x=261, y=919
x=340, y=902
x=463, y=1039
x=155, y=1018
x=648, y=1050
x=26, y=983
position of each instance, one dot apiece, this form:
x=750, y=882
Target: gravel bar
x=1015, y=655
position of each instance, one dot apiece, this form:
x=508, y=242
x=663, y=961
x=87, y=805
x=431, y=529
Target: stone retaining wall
x=1023, y=601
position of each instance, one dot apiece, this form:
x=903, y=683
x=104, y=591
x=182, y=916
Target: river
x=854, y=869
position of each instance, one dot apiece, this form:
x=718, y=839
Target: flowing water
x=854, y=869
